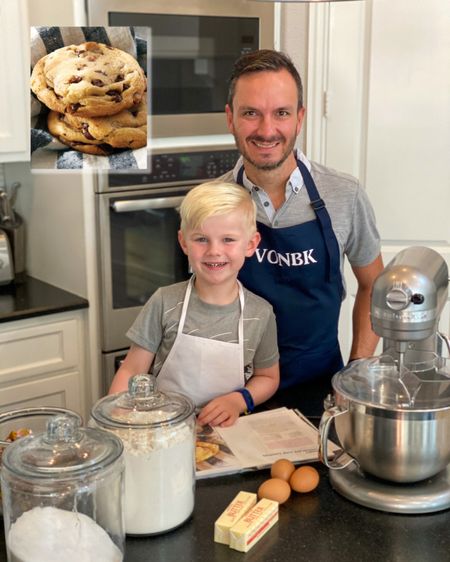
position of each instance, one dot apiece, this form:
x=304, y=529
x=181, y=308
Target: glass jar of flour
x=158, y=434
x=62, y=495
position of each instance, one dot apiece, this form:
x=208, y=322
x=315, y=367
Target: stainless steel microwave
x=193, y=47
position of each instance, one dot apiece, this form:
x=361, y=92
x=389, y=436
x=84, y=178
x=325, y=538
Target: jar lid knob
x=63, y=428
x=142, y=386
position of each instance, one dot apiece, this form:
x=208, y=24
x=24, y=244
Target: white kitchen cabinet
x=14, y=71
x=43, y=362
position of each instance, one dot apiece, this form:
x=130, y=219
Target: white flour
x=49, y=534
x=159, y=476
x=159, y=488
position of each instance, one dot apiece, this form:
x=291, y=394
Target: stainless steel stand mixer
x=391, y=412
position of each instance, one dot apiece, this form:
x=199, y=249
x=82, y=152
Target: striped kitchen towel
x=47, y=152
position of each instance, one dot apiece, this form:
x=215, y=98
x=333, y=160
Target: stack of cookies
x=97, y=97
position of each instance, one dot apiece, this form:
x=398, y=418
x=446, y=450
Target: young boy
x=209, y=337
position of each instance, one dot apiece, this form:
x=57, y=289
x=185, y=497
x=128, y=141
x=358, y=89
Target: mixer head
x=409, y=295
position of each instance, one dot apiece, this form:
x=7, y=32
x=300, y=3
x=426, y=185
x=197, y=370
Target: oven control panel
x=177, y=167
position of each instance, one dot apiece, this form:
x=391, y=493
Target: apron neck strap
x=187, y=296
x=319, y=208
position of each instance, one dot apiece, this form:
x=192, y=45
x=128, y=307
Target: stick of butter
x=239, y=506
x=254, y=525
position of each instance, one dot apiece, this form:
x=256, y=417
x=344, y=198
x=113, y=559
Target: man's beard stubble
x=269, y=165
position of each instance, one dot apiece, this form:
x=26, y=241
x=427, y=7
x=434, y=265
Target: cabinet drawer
x=62, y=391
x=30, y=351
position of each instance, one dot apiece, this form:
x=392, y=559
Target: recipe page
x=256, y=441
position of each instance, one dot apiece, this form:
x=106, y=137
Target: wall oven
x=193, y=45
x=137, y=226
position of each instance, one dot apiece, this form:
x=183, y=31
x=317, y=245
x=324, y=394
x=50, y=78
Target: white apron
x=202, y=368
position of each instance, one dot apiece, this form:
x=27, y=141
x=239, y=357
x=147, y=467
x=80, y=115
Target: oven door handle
x=146, y=204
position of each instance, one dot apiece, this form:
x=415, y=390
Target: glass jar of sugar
x=63, y=493
x=158, y=433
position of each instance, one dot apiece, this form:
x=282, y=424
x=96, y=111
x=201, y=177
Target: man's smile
x=265, y=143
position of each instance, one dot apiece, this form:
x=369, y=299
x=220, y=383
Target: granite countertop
x=32, y=297
x=321, y=526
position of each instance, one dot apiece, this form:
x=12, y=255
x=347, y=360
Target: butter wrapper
x=238, y=507
x=254, y=525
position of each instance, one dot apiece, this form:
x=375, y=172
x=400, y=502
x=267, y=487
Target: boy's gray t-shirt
x=156, y=326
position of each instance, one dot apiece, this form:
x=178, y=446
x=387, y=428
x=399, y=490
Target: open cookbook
x=255, y=442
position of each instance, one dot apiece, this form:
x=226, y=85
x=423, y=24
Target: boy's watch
x=248, y=400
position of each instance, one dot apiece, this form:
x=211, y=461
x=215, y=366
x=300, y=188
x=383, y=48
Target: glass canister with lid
x=158, y=433
x=62, y=495
x=15, y=424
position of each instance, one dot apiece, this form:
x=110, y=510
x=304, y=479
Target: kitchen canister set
x=72, y=493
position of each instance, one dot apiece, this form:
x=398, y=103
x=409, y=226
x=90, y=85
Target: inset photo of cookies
x=89, y=98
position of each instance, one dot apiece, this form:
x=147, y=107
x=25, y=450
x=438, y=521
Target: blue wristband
x=248, y=400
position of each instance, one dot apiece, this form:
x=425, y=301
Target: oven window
x=192, y=58
x=145, y=254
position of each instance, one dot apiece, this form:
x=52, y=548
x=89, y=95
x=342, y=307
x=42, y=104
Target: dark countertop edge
x=23, y=314
x=32, y=298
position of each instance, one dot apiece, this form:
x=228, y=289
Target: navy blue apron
x=297, y=269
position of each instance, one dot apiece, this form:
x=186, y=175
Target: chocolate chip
x=125, y=87
x=81, y=52
x=119, y=78
x=107, y=148
x=115, y=94
x=72, y=108
x=75, y=79
x=86, y=133
x=100, y=72
x=97, y=82
x=134, y=113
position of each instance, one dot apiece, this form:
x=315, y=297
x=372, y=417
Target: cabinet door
x=42, y=362
x=14, y=72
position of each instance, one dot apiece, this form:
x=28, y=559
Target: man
x=309, y=217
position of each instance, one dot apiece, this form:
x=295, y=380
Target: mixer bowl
x=396, y=431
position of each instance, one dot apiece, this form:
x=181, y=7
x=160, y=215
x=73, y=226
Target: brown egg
x=275, y=489
x=283, y=469
x=304, y=479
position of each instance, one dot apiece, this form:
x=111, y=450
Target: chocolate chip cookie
x=100, y=135
x=88, y=80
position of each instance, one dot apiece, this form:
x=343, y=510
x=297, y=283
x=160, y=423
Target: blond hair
x=213, y=199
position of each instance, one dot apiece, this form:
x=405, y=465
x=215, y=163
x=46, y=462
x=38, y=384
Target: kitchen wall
x=52, y=205
x=294, y=37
